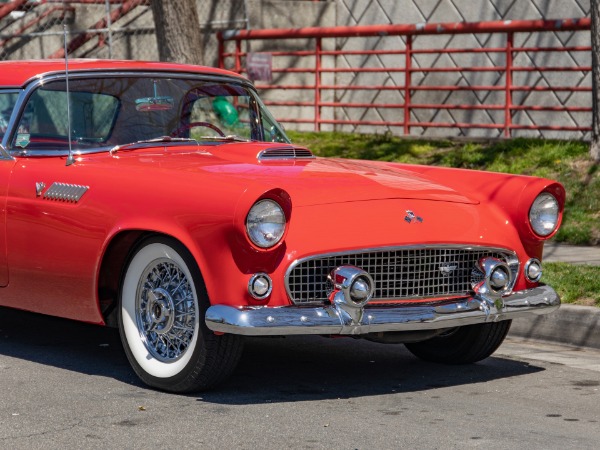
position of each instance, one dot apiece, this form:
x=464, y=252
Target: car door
x=8, y=99
x=6, y=166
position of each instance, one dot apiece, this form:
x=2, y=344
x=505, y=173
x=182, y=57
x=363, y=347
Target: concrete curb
x=573, y=254
x=572, y=325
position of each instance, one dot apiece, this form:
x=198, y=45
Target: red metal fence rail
x=506, y=102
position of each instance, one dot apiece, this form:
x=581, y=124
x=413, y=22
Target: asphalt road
x=68, y=385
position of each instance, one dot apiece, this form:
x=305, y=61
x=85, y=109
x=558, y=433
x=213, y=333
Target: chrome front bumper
x=334, y=319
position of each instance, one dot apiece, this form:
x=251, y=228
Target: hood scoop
x=284, y=153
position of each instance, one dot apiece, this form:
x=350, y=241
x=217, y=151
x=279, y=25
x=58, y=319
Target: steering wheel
x=177, y=132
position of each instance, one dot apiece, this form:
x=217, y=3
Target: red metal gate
x=311, y=62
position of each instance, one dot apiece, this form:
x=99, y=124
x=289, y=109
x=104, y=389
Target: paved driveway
x=68, y=385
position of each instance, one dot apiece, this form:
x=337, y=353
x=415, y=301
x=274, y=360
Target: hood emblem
x=447, y=268
x=411, y=217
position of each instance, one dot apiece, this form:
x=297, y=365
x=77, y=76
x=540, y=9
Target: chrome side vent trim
x=65, y=192
x=284, y=153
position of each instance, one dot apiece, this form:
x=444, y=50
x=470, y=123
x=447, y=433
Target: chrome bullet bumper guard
x=337, y=319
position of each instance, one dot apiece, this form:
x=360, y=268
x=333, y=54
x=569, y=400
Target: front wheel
x=462, y=345
x=163, y=303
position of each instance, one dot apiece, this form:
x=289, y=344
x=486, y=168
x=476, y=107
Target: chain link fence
x=104, y=29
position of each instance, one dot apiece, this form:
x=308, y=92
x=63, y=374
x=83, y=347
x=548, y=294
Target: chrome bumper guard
x=336, y=319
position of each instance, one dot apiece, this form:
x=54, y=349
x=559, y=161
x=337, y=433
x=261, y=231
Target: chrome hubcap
x=165, y=310
x=160, y=311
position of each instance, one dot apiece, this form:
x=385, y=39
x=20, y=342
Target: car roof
x=18, y=73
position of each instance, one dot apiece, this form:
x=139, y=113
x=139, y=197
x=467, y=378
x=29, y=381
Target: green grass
x=576, y=284
x=564, y=161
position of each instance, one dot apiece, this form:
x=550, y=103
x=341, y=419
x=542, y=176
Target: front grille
x=399, y=274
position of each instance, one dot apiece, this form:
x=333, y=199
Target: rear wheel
x=462, y=345
x=163, y=303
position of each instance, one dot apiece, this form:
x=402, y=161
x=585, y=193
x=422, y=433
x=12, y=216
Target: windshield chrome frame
x=4, y=154
x=41, y=80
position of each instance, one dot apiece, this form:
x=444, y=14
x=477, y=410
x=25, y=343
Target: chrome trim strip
x=92, y=73
x=104, y=149
x=289, y=320
x=4, y=154
x=514, y=263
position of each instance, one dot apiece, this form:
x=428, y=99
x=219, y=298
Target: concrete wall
x=279, y=14
x=294, y=14
x=133, y=38
x=363, y=12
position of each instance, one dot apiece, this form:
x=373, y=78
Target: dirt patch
x=585, y=301
x=582, y=165
x=595, y=236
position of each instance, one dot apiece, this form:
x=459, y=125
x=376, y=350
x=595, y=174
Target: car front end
x=409, y=254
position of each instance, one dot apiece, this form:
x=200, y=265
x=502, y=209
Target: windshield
x=7, y=103
x=109, y=112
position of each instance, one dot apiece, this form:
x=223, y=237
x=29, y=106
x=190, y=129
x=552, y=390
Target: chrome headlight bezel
x=265, y=223
x=544, y=214
x=533, y=275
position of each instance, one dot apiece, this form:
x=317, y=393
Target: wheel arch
x=114, y=259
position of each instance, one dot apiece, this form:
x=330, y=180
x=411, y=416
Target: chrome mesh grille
x=399, y=274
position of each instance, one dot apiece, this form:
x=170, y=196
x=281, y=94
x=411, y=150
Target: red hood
x=330, y=180
x=323, y=181
x=309, y=182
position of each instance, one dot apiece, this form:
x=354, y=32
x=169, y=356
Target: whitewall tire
x=161, y=320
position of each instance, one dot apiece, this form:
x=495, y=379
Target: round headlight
x=543, y=215
x=265, y=223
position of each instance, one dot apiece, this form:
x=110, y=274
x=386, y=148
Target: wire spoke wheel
x=166, y=311
x=163, y=303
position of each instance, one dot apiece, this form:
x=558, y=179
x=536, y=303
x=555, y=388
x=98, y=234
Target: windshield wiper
x=228, y=138
x=158, y=140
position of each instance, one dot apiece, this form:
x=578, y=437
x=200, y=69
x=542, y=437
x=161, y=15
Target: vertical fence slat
x=318, y=66
x=508, y=79
x=407, y=83
x=238, y=56
x=221, y=50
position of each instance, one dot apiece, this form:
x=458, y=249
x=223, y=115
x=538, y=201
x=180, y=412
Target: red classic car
x=165, y=200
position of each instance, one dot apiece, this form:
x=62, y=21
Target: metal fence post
x=109, y=26
x=407, y=83
x=508, y=91
x=318, y=50
x=221, y=50
x=238, y=56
